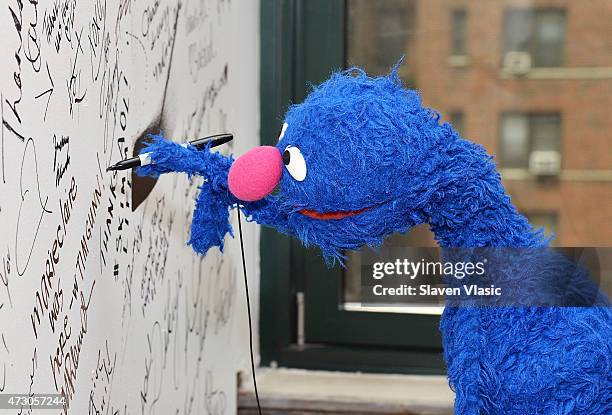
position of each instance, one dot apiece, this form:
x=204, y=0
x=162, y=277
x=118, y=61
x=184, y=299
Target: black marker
x=145, y=158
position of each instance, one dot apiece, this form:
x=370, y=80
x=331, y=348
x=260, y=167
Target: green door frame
x=302, y=42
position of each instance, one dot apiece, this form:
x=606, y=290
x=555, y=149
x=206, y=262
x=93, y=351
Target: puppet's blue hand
x=210, y=222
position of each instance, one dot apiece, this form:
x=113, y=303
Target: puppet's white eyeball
x=295, y=163
x=282, y=133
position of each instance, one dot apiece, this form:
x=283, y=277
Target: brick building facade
x=530, y=80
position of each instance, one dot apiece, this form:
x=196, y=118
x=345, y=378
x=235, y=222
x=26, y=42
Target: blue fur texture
x=370, y=144
x=210, y=222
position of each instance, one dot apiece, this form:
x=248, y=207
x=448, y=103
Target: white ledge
x=281, y=387
x=576, y=72
x=583, y=175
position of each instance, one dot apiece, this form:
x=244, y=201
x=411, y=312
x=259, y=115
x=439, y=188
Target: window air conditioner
x=545, y=163
x=517, y=63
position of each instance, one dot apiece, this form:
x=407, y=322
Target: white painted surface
x=409, y=390
x=131, y=321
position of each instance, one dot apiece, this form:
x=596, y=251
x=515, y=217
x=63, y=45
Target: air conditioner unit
x=545, y=163
x=517, y=63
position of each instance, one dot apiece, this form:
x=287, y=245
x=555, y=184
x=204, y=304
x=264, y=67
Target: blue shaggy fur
x=210, y=222
x=369, y=143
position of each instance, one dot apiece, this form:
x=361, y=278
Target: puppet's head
x=354, y=163
x=358, y=160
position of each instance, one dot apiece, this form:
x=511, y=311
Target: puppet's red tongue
x=254, y=175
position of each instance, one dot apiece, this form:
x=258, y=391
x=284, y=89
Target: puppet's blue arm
x=168, y=156
x=210, y=222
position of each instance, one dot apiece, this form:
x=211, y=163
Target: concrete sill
x=458, y=61
x=560, y=73
x=575, y=175
x=292, y=391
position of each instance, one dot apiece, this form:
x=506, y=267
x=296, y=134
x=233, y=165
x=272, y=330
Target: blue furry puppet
x=360, y=159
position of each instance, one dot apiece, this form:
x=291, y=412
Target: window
x=459, y=32
x=390, y=36
x=521, y=134
x=456, y=120
x=303, y=41
x=381, y=32
x=540, y=33
x=306, y=315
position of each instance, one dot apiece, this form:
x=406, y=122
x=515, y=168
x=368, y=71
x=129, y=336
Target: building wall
x=581, y=91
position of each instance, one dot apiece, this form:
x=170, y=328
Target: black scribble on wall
x=201, y=53
x=113, y=85
x=66, y=357
x=90, y=221
x=17, y=23
x=61, y=159
x=47, y=299
x=58, y=23
x=32, y=41
x=99, y=39
x=196, y=13
x=154, y=268
x=3, y=383
x=171, y=326
x=142, y=186
x=2, y=140
x=30, y=197
x=8, y=126
x=48, y=91
x=5, y=270
x=216, y=401
x=166, y=43
x=144, y=54
x=221, y=5
x=32, y=375
x=102, y=383
x=207, y=100
x=151, y=389
x=125, y=7
x=223, y=291
x=197, y=317
x=75, y=94
x=148, y=15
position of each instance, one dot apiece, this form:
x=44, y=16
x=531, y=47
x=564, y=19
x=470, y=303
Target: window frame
x=382, y=13
x=533, y=14
x=464, y=41
x=301, y=42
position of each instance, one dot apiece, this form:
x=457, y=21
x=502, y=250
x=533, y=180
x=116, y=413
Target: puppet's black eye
x=295, y=163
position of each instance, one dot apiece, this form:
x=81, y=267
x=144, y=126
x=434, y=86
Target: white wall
x=131, y=321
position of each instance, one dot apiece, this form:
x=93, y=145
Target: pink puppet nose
x=254, y=175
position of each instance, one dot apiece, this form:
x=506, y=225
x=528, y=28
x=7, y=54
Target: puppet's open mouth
x=340, y=214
